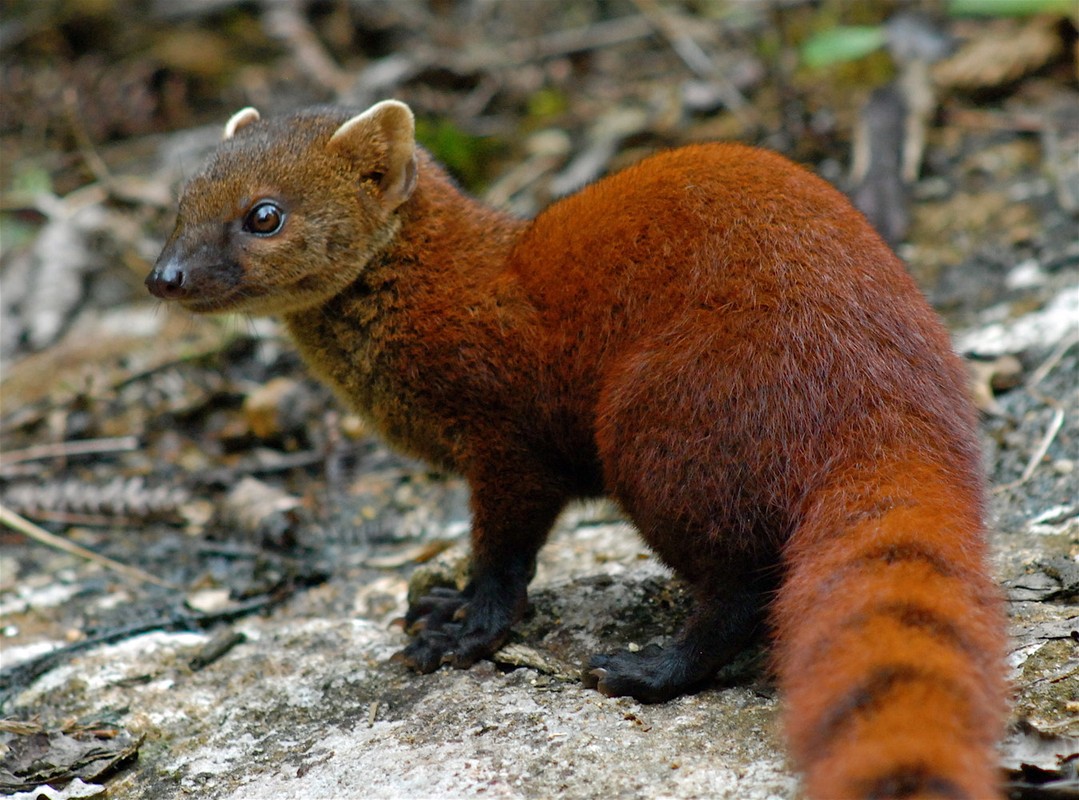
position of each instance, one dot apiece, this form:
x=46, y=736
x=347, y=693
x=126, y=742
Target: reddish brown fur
x=717, y=340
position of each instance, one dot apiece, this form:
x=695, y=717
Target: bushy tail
x=890, y=641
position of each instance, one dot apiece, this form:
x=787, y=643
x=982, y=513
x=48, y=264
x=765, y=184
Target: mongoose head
x=288, y=211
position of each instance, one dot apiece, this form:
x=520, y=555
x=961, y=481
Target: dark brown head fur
x=332, y=179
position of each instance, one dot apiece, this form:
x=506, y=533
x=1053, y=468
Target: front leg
x=461, y=627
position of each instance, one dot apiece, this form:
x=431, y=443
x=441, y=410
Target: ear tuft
x=382, y=141
x=241, y=119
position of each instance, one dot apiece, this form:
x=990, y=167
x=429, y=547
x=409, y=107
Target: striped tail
x=890, y=641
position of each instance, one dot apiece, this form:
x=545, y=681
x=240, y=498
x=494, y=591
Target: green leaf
x=547, y=103
x=31, y=179
x=464, y=154
x=1010, y=8
x=842, y=43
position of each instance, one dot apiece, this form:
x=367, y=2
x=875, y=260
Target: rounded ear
x=241, y=119
x=382, y=142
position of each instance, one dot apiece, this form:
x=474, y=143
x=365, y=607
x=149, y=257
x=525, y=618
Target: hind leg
x=721, y=626
x=688, y=479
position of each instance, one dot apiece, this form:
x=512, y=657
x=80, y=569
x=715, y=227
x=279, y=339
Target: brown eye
x=265, y=219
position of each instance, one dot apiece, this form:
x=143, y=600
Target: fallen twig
x=1050, y=434
x=78, y=447
x=695, y=58
x=1038, y=375
x=285, y=21
x=223, y=641
x=90, y=156
x=575, y=40
x=39, y=534
x=1043, y=447
x=20, y=675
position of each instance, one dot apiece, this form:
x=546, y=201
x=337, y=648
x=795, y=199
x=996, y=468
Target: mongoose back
x=715, y=339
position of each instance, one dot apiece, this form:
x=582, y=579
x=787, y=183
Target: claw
x=433, y=610
x=591, y=678
x=444, y=592
x=452, y=627
x=601, y=682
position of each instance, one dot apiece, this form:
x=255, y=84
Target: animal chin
x=205, y=306
x=219, y=303
x=248, y=301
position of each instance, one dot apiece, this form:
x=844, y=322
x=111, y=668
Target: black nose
x=167, y=281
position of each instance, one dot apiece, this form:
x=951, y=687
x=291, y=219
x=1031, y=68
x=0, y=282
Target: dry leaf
x=1000, y=53
x=987, y=377
x=41, y=756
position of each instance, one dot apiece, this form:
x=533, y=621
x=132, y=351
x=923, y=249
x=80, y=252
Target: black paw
x=450, y=627
x=651, y=675
x=435, y=610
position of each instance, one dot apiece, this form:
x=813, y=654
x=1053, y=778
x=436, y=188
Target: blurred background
x=106, y=104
